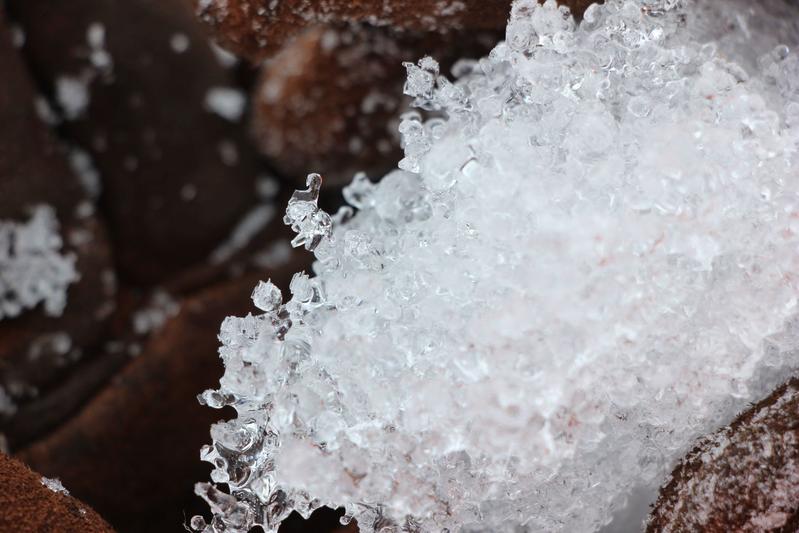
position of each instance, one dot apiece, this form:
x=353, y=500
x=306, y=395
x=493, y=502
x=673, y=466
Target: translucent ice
x=305, y=217
x=587, y=259
x=55, y=485
x=33, y=269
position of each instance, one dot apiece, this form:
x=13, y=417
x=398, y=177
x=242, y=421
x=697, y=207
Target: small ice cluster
x=55, y=485
x=33, y=269
x=588, y=257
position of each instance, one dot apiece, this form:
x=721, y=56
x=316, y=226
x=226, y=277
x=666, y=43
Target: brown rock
x=330, y=101
x=176, y=177
x=36, y=348
x=257, y=29
x=142, y=434
x=743, y=478
x=27, y=506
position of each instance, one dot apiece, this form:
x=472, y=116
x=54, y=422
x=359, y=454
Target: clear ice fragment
x=304, y=216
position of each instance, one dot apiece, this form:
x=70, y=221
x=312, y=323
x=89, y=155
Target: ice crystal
x=33, y=269
x=304, y=216
x=586, y=259
x=55, y=485
x=152, y=317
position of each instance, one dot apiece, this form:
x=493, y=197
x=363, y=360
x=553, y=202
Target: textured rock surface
x=745, y=477
x=36, y=348
x=146, y=425
x=258, y=28
x=27, y=505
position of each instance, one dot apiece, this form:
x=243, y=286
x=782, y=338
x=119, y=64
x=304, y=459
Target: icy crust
x=33, y=269
x=586, y=264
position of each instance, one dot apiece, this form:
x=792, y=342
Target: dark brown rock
x=176, y=177
x=142, y=434
x=33, y=172
x=27, y=506
x=744, y=477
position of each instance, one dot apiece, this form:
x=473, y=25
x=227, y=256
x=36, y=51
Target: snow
x=227, y=102
x=72, y=94
x=179, y=42
x=54, y=484
x=584, y=262
x=33, y=269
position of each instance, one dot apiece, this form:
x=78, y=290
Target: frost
x=228, y=152
x=223, y=57
x=275, y=255
x=98, y=56
x=54, y=484
x=72, y=95
x=188, y=192
x=266, y=187
x=226, y=102
x=179, y=42
x=58, y=343
x=88, y=175
x=247, y=228
x=33, y=270
x=18, y=36
x=585, y=261
x=45, y=111
x=155, y=314
x=7, y=405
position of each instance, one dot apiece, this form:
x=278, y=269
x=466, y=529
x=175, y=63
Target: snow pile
x=587, y=262
x=33, y=269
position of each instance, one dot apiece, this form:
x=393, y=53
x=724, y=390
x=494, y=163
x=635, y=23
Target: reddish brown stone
x=257, y=29
x=330, y=101
x=142, y=434
x=743, y=478
x=176, y=177
x=27, y=506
